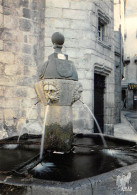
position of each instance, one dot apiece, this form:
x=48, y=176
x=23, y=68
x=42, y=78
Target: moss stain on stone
x=58, y=138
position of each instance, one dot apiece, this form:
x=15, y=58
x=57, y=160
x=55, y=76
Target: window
x=103, y=22
x=101, y=29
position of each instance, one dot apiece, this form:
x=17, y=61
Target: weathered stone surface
x=33, y=128
x=25, y=25
x=17, y=68
x=27, y=60
x=10, y=22
x=1, y=20
x=1, y=9
x=75, y=14
x=6, y=3
x=7, y=36
x=60, y=92
x=13, y=70
x=34, y=4
x=59, y=128
x=60, y=69
x=1, y=45
x=24, y=3
x=81, y=5
x=35, y=16
x=4, y=59
x=30, y=70
x=3, y=134
x=7, y=11
x=58, y=3
x=26, y=13
x=53, y=12
x=26, y=49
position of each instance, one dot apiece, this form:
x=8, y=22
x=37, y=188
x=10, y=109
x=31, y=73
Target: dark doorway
x=99, y=86
x=123, y=98
x=135, y=99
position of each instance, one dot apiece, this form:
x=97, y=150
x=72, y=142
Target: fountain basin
x=88, y=170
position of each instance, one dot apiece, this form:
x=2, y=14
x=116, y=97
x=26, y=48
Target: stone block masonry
x=78, y=21
x=26, y=27
x=21, y=52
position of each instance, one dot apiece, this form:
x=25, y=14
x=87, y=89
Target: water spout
x=99, y=129
x=44, y=130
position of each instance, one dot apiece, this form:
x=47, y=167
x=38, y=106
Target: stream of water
x=44, y=130
x=99, y=129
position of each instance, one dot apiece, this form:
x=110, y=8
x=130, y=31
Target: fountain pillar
x=59, y=86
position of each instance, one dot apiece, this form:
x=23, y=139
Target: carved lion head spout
x=58, y=91
x=77, y=92
x=51, y=92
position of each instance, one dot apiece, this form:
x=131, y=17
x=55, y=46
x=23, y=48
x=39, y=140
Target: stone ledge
x=101, y=69
x=105, y=45
x=107, y=183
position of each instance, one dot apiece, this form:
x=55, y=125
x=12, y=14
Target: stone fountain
x=59, y=87
x=90, y=168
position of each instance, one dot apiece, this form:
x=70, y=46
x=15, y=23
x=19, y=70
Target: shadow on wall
x=82, y=120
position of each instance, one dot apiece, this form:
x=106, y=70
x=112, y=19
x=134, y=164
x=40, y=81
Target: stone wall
x=118, y=43
x=24, y=45
x=78, y=21
x=21, y=52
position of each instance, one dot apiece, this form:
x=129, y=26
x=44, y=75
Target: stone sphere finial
x=58, y=41
x=58, y=38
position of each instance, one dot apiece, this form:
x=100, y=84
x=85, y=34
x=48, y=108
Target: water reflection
x=70, y=167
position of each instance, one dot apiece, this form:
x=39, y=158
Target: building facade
x=90, y=42
x=129, y=82
x=119, y=15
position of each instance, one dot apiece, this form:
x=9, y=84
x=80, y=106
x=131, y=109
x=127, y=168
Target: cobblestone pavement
x=128, y=126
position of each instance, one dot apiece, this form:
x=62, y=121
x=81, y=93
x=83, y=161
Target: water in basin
x=71, y=167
